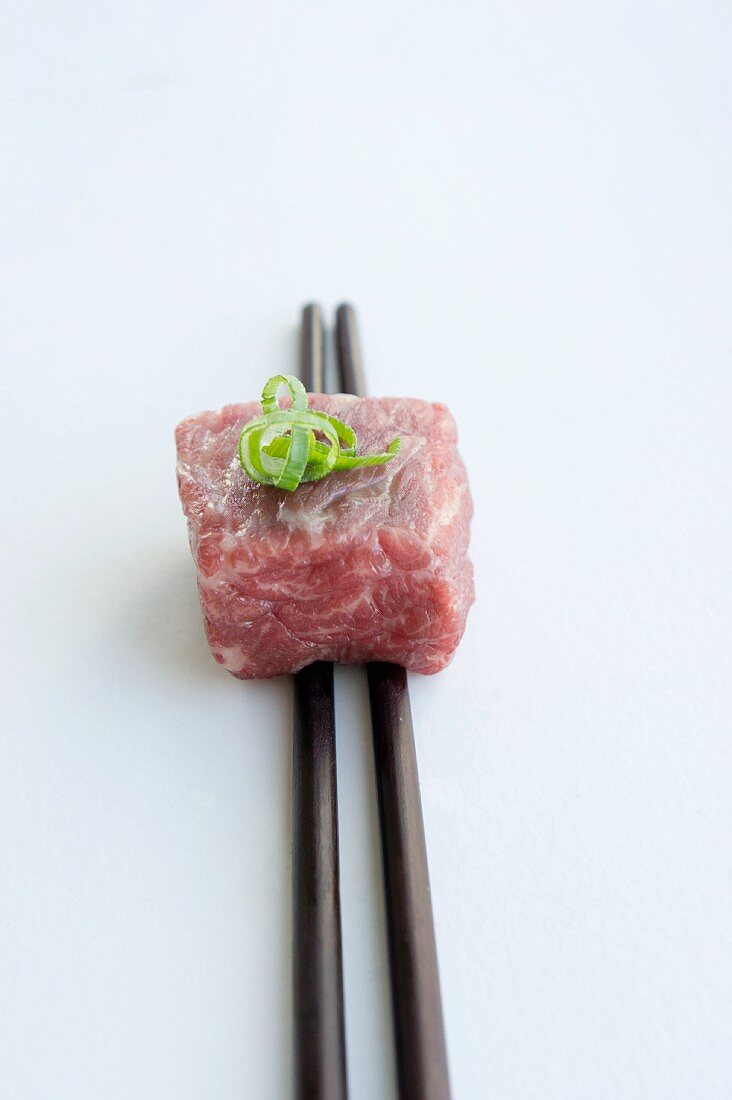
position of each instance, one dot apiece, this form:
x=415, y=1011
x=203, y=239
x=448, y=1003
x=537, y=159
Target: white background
x=529, y=204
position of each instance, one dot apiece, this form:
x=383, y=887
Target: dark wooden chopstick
x=415, y=984
x=312, y=349
x=320, y=1042
x=348, y=349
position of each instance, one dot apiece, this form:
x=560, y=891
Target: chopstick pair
x=320, y=1044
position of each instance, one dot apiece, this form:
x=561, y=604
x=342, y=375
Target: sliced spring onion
x=282, y=447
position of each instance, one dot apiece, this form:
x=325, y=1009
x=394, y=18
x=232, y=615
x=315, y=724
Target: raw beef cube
x=364, y=565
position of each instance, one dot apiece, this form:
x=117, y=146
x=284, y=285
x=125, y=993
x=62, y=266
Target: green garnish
x=281, y=447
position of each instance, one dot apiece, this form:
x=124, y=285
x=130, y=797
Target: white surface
x=529, y=205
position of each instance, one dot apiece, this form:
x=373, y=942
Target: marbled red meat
x=364, y=565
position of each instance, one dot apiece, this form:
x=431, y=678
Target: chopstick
x=419, y=1030
x=320, y=1042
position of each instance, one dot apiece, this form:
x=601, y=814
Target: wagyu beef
x=363, y=565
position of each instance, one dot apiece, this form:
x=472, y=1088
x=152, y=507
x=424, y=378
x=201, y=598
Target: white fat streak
x=303, y=519
x=446, y=514
x=234, y=657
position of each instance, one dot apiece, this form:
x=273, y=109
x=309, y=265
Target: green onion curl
x=285, y=447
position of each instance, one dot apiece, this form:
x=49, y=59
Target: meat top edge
x=364, y=565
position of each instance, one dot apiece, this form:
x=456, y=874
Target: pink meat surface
x=364, y=565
